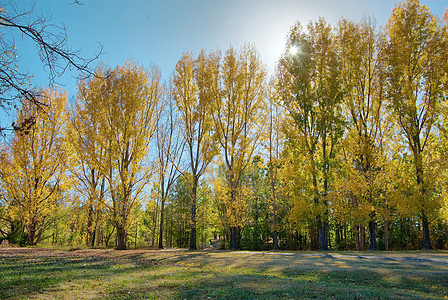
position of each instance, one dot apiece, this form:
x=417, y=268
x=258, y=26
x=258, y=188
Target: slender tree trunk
x=232, y=245
x=426, y=239
x=419, y=173
x=446, y=228
x=274, y=215
x=238, y=237
x=89, y=224
x=314, y=237
x=386, y=234
x=344, y=229
x=362, y=234
x=233, y=229
x=356, y=236
x=386, y=228
x=272, y=173
x=323, y=235
x=162, y=219
x=171, y=230
x=193, y=213
x=155, y=223
x=320, y=230
x=373, y=244
x=255, y=235
x=93, y=238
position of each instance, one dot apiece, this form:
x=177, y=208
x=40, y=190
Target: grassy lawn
x=170, y=274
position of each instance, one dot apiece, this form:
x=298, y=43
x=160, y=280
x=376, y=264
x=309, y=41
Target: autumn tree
x=308, y=85
x=170, y=145
x=361, y=76
x=195, y=84
x=34, y=165
x=274, y=147
x=88, y=150
x=237, y=118
x=126, y=98
x=415, y=72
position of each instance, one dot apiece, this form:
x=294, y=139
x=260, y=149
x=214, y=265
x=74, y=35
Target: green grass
x=99, y=274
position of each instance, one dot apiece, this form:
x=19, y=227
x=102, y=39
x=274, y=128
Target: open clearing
x=177, y=274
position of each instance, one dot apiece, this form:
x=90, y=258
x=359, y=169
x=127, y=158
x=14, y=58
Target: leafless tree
x=53, y=50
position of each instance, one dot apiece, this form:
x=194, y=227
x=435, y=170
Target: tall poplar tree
x=88, y=150
x=362, y=81
x=308, y=84
x=413, y=54
x=238, y=119
x=194, y=86
x=170, y=145
x=126, y=98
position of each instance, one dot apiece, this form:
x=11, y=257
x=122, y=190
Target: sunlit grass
x=99, y=274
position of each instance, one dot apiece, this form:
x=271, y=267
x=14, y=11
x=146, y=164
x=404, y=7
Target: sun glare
x=293, y=50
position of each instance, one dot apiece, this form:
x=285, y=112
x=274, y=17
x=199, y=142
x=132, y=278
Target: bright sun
x=293, y=50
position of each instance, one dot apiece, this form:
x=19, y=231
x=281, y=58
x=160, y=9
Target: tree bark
x=32, y=235
x=373, y=244
x=193, y=213
x=314, y=237
x=89, y=224
x=121, y=237
x=356, y=235
x=232, y=245
x=362, y=234
x=322, y=228
x=426, y=239
x=420, y=183
x=386, y=229
x=274, y=214
x=162, y=219
x=234, y=228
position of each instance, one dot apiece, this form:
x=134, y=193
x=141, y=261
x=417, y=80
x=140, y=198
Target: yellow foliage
x=34, y=163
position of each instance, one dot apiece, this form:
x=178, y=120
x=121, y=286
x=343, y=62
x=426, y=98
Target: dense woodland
x=345, y=147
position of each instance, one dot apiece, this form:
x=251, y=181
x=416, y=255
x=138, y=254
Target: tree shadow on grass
x=220, y=275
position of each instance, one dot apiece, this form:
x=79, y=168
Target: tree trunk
x=233, y=228
x=426, y=238
x=419, y=173
x=275, y=240
x=193, y=213
x=35, y=234
x=93, y=238
x=386, y=230
x=322, y=228
x=162, y=219
x=344, y=234
x=356, y=236
x=89, y=224
x=314, y=237
x=32, y=235
x=274, y=215
x=446, y=227
x=121, y=237
x=155, y=223
x=373, y=244
x=362, y=234
x=232, y=245
x=238, y=237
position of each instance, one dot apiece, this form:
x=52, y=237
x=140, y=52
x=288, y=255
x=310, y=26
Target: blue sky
x=159, y=31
